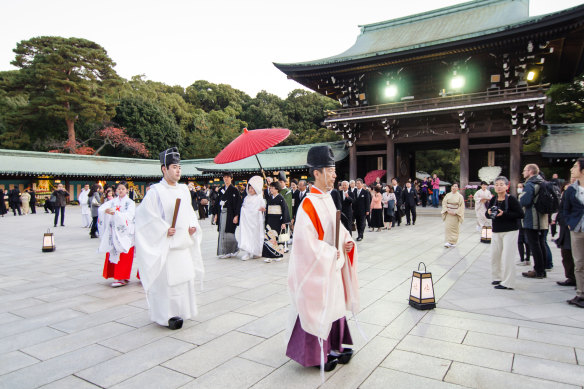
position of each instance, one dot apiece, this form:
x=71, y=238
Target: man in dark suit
x=361, y=206
x=410, y=199
x=398, y=198
x=347, y=200
x=298, y=196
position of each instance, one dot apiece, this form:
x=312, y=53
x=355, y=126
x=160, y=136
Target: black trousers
x=348, y=224
x=15, y=207
x=93, y=230
x=412, y=211
x=360, y=219
x=62, y=209
x=535, y=240
x=522, y=246
x=397, y=217
x=568, y=262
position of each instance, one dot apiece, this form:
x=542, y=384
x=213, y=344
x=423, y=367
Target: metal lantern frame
x=421, y=284
x=48, y=241
x=486, y=234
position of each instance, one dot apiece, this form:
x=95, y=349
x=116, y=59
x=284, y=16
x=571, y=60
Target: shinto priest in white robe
x=168, y=265
x=250, y=234
x=321, y=286
x=116, y=231
x=85, y=211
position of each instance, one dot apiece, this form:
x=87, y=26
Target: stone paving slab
x=63, y=326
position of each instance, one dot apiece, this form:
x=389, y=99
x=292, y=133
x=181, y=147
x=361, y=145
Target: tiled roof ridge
x=430, y=14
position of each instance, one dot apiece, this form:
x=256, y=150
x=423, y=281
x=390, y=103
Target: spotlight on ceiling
x=531, y=75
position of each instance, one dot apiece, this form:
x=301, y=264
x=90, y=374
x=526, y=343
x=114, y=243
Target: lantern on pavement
x=48, y=241
x=486, y=233
x=422, y=289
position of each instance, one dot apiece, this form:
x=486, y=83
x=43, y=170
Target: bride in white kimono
x=250, y=234
x=482, y=197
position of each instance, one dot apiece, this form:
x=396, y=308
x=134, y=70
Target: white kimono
x=321, y=286
x=250, y=234
x=481, y=207
x=168, y=264
x=85, y=210
x=116, y=231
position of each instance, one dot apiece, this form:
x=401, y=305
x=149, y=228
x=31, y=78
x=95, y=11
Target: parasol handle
x=261, y=168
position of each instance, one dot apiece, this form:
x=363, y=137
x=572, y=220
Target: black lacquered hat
x=169, y=157
x=320, y=156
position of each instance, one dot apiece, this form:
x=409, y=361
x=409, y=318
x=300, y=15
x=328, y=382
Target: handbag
x=53, y=198
x=284, y=236
x=204, y=201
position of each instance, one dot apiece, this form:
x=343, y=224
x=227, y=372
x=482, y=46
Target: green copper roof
x=450, y=24
x=276, y=158
x=564, y=140
x=58, y=164
x=15, y=162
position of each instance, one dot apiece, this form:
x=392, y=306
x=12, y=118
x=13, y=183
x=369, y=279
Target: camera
x=494, y=212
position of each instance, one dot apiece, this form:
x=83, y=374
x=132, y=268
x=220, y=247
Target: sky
x=231, y=42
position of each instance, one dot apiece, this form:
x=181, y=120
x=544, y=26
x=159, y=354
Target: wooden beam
x=464, y=160
x=374, y=152
x=515, y=162
x=489, y=146
x=353, y=162
x=390, y=159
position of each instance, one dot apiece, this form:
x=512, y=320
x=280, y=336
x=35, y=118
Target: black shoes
x=502, y=287
x=568, y=282
x=533, y=274
x=176, y=323
x=345, y=356
x=333, y=360
x=577, y=301
x=359, y=239
x=495, y=282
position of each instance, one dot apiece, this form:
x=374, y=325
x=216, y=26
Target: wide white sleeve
x=151, y=241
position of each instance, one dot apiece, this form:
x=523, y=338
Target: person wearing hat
x=322, y=275
x=227, y=210
x=169, y=257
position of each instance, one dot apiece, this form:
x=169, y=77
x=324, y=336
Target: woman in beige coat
x=452, y=215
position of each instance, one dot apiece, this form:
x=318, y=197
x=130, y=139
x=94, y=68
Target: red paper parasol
x=372, y=176
x=251, y=143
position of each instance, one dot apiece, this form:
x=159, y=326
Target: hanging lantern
x=48, y=241
x=422, y=289
x=486, y=233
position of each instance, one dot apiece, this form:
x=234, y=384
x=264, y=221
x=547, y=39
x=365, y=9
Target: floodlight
x=390, y=91
x=457, y=82
x=531, y=75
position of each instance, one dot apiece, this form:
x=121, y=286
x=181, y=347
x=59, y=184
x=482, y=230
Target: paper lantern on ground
x=48, y=241
x=422, y=289
x=486, y=233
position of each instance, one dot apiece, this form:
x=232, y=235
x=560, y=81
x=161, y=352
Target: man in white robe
x=169, y=259
x=322, y=277
x=85, y=210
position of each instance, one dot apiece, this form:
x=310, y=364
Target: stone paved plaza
x=63, y=326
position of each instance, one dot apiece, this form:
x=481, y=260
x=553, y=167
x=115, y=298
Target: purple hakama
x=304, y=348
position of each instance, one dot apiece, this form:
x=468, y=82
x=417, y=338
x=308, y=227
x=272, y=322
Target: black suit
x=297, y=198
x=410, y=200
x=361, y=207
x=347, y=210
x=398, y=198
x=336, y=199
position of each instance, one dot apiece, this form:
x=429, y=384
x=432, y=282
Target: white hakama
x=168, y=265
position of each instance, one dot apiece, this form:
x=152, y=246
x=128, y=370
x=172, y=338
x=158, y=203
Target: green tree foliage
x=72, y=80
x=149, y=123
x=445, y=163
x=567, y=105
x=66, y=78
